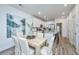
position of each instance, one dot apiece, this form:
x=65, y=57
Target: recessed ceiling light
x=65, y=5
x=39, y=13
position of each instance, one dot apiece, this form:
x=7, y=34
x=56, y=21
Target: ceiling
x=45, y=12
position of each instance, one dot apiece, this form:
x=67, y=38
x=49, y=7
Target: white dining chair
x=47, y=50
x=34, y=33
x=48, y=36
x=17, y=45
x=25, y=49
x=39, y=34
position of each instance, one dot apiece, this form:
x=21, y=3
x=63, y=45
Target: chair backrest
x=19, y=34
x=35, y=33
x=48, y=36
x=17, y=45
x=39, y=34
x=51, y=45
x=24, y=45
x=51, y=42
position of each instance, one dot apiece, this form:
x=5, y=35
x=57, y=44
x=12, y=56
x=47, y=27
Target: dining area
x=49, y=44
x=28, y=38
x=33, y=45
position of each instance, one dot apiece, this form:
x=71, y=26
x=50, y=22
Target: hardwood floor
x=9, y=51
x=64, y=48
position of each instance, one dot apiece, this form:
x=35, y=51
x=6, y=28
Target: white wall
x=73, y=27
x=4, y=9
x=77, y=27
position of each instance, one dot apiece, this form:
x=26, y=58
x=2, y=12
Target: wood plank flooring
x=64, y=48
x=9, y=51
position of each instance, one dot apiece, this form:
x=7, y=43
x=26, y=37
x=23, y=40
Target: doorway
x=59, y=28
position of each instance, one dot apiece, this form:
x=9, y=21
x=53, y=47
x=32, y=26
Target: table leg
x=37, y=50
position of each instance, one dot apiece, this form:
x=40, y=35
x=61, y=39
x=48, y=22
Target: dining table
x=37, y=43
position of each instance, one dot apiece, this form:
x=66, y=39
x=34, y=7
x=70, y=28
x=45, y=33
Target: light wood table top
x=36, y=43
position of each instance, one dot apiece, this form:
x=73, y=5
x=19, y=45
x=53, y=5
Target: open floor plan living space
x=39, y=29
